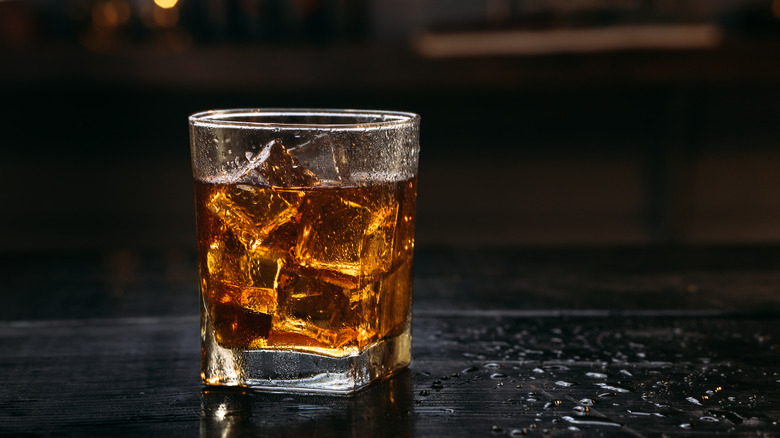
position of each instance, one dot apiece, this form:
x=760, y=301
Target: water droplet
x=609, y=387
x=496, y=429
x=596, y=421
x=709, y=419
x=686, y=425
x=518, y=432
x=581, y=409
x=498, y=376
x=626, y=372
x=425, y=393
x=538, y=370
x=564, y=383
x=644, y=414
x=694, y=401
x=732, y=416
x=596, y=375
x=587, y=402
x=470, y=370
x=492, y=365
x=557, y=367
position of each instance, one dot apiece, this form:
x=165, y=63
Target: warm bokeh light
x=776, y=8
x=165, y=17
x=165, y=4
x=110, y=13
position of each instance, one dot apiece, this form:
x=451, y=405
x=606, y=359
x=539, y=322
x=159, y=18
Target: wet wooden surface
x=636, y=341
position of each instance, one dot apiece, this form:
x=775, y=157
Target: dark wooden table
x=652, y=341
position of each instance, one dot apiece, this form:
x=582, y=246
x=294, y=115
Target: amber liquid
x=324, y=269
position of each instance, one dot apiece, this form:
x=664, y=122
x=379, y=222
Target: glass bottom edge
x=289, y=371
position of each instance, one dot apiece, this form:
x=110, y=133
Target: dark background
x=569, y=145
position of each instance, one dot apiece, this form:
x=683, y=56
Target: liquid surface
x=320, y=269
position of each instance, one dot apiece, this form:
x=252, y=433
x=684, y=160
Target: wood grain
x=506, y=342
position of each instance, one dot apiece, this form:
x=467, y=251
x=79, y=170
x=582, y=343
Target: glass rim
x=226, y=118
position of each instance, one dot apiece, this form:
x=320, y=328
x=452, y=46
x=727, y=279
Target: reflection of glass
x=305, y=244
x=381, y=410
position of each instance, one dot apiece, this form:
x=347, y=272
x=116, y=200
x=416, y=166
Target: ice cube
x=240, y=315
x=281, y=240
x=261, y=269
x=252, y=212
x=224, y=262
x=274, y=166
x=323, y=156
x=395, y=299
x=258, y=299
x=244, y=278
x=240, y=302
x=347, y=237
x=308, y=298
x=265, y=261
x=236, y=327
x=299, y=326
x=404, y=228
x=318, y=310
x=364, y=303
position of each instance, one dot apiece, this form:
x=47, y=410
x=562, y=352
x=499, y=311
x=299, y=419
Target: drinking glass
x=305, y=234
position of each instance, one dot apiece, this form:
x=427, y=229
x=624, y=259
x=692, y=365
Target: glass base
x=290, y=371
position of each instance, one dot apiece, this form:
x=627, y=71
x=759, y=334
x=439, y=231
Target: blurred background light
x=109, y=14
x=165, y=4
x=544, y=121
